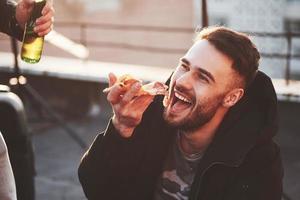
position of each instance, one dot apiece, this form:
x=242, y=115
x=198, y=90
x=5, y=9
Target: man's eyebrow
x=201, y=70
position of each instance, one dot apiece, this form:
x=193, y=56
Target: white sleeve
x=7, y=181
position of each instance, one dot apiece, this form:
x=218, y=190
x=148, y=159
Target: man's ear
x=233, y=97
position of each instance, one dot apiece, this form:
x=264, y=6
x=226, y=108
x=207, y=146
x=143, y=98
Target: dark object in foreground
x=15, y=132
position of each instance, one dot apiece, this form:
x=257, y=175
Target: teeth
x=182, y=98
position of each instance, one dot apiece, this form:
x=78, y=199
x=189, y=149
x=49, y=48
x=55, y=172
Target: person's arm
x=110, y=162
x=8, y=22
x=116, y=155
x=7, y=181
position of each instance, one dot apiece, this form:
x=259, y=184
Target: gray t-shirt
x=178, y=174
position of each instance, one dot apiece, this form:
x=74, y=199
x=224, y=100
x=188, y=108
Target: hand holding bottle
x=43, y=25
x=37, y=25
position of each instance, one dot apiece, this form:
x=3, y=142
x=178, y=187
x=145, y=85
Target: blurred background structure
x=145, y=38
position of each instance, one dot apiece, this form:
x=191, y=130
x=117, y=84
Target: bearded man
x=212, y=139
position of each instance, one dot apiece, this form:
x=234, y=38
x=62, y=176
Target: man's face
x=198, y=87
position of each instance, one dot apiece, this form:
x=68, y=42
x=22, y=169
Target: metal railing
x=83, y=27
x=83, y=39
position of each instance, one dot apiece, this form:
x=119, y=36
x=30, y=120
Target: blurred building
x=110, y=45
x=168, y=13
x=271, y=16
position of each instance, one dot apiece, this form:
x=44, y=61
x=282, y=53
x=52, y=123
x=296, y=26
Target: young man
x=212, y=141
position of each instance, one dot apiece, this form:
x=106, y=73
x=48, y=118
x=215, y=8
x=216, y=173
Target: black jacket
x=242, y=162
x=8, y=23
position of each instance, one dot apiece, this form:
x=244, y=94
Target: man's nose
x=184, y=81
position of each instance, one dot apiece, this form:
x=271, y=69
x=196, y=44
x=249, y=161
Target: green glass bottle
x=32, y=43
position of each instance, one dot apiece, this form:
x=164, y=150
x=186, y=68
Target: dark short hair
x=237, y=46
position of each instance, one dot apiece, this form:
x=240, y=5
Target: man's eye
x=184, y=67
x=202, y=77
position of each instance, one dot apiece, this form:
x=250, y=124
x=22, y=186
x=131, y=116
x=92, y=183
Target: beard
x=205, y=110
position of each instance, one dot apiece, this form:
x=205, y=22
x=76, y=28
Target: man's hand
x=128, y=108
x=43, y=24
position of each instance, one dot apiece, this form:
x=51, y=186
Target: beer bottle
x=32, y=43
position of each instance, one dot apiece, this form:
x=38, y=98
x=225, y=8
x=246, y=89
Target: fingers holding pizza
x=129, y=99
x=126, y=81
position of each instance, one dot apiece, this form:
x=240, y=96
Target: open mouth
x=180, y=102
